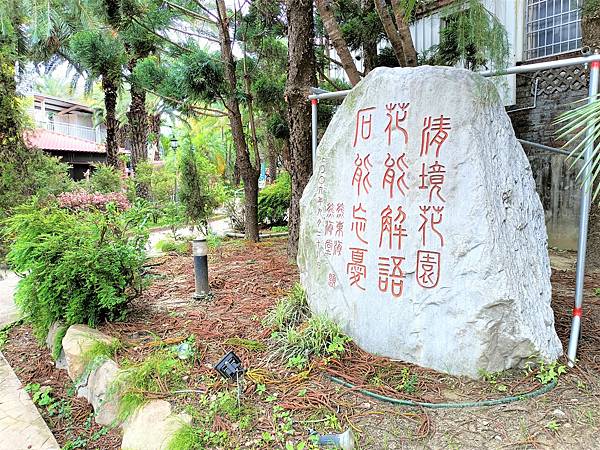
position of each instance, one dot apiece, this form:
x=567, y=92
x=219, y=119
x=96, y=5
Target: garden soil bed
x=247, y=280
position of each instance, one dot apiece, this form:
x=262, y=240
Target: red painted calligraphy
x=390, y=231
x=432, y=178
x=328, y=247
x=337, y=248
x=394, y=280
x=435, y=132
x=339, y=225
x=364, y=121
x=361, y=173
x=359, y=222
x=329, y=227
x=356, y=269
x=331, y=279
x=339, y=229
x=330, y=210
x=433, y=219
x=395, y=120
x=390, y=174
x=428, y=268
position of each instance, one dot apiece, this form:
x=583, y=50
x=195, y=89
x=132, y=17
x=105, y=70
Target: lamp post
x=200, y=252
x=174, y=145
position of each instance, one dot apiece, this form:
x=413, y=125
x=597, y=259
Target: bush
x=182, y=247
x=80, y=267
x=200, y=190
x=36, y=174
x=236, y=212
x=274, y=201
x=105, y=179
x=84, y=201
x=317, y=337
x=290, y=311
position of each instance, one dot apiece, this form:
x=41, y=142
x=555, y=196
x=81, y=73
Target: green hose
x=499, y=401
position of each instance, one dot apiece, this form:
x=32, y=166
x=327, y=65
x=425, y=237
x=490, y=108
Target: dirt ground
x=247, y=280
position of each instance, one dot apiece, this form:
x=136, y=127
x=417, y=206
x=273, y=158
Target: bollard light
x=200, y=252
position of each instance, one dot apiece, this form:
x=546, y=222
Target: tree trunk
x=272, y=155
x=110, y=104
x=339, y=43
x=154, y=135
x=390, y=30
x=248, y=172
x=370, y=55
x=301, y=76
x=408, y=48
x=286, y=158
x=370, y=43
x=590, y=27
x=138, y=133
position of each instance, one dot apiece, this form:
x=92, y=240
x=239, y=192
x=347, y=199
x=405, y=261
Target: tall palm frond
x=580, y=126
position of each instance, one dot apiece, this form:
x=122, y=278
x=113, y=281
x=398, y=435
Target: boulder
x=77, y=341
x=60, y=363
x=98, y=391
x=152, y=426
x=421, y=232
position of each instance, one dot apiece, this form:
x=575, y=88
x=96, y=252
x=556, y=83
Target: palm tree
x=102, y=55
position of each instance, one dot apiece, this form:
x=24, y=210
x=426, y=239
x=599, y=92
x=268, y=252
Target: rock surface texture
x=98, y=391
x=422, y=234
x=152, y=427
x=78, y=340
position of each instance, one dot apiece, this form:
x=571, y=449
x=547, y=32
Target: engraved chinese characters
x=394, y=186
x=421, y=232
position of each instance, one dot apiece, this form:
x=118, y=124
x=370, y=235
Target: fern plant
x=78, y=267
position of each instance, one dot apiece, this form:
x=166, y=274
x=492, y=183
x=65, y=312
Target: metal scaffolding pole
x=586, y=199
x=586, y=194
x=315, y=120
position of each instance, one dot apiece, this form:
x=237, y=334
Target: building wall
x=555, y=178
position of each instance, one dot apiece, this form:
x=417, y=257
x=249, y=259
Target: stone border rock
x=150, y=427
x=234, y=234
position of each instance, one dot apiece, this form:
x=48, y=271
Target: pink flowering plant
x=87, y=201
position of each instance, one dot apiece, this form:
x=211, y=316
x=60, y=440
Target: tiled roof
x=51, y=140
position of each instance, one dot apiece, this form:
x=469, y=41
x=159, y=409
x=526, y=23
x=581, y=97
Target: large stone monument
x=421, y=231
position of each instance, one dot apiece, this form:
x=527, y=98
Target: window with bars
x=552, y=27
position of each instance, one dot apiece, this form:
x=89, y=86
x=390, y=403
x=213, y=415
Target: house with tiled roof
x=66, y=129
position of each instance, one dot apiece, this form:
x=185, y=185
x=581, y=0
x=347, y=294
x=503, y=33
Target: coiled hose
x=498, y=401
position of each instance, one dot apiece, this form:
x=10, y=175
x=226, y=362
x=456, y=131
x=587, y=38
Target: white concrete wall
x=426, y=33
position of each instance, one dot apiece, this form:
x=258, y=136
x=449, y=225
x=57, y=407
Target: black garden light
x=230, y=366
x=200, y=252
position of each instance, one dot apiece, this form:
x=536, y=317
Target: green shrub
x=168, y=245
x=80, y=267
x=289, y=311
x=274, y=201
x=200, y=189
x=105, y=179
x=318, y=337
x=213, y=241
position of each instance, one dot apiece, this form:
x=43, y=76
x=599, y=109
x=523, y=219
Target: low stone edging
x=235, y=234
x=150, y=427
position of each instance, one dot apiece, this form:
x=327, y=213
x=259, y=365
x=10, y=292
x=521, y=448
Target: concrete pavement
x=21, y=425
x=218, y=227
